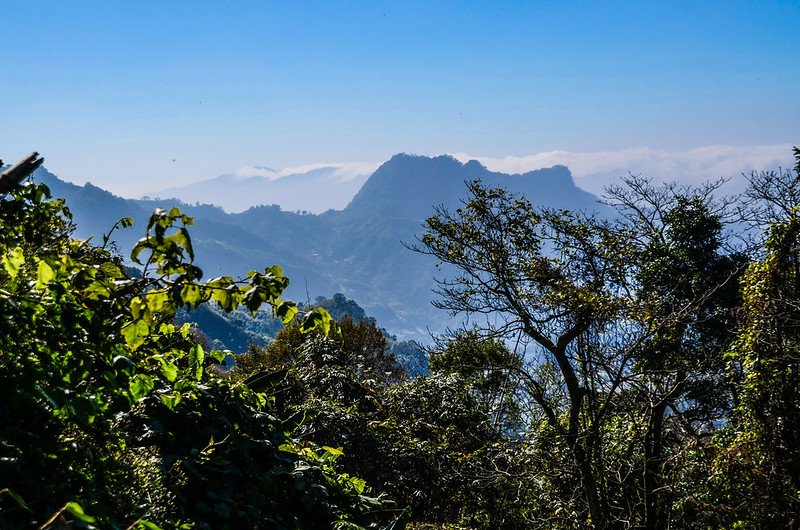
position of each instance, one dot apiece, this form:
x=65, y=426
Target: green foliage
x=759, y=459
x=493, y=372
x=406, y=437
x=748, y=474
x=621, y=328
x=109, y=413
x=362, y=346
x=555, y=281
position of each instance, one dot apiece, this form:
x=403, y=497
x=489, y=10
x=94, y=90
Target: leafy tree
x=368, y=349
x=556, y=279
x=623, y=324
x=493, y=372
x=363, y=346
x=686, y=284
x=429, y=443
x=770, y=197
x=756, y=464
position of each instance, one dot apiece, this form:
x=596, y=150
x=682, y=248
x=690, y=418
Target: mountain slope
x=357, y=251
x=407, y=186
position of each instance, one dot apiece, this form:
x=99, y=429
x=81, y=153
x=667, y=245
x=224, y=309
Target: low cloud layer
x=595, y=170
x=344, y=171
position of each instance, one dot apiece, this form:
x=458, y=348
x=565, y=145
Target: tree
x=623, y=326
x=557, y=280
x=686, y=284
x=771, y=196
x=432, y=444
x=756, y=461
x=492, y=371
x=364, y=348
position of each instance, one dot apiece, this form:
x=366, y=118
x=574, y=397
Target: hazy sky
x=143, y=95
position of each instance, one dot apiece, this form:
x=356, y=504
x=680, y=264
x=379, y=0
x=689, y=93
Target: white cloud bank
x=594, y=170
x=343, y=171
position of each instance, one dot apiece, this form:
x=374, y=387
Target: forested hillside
x=634, y=370
x=358, y=251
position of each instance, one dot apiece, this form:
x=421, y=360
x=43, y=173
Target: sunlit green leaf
x=286, y=311
x=44, y=274
x=332, y=450
x=359, y=484
x=156, y=300
x=142, y=245
x=145, y=525
x=169, y=370
x=219, y=355
x=318, y=319
x=111, y=270
x=171, y=400
x=75, y=510
x=140, y=386
x=13, y=260
x=135, y=333
x=192, y=294
x=196, y=357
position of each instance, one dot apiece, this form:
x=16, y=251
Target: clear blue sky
x=113, y=91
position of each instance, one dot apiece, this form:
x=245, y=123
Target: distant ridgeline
x=333, y=189
x=357, y=251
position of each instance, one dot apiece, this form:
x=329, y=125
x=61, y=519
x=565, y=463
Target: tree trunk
x=597, y=512
x=653, y=462
x=11, y=177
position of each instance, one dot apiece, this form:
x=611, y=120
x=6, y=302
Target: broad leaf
x=196, y=357
x=12, y=261
x=140, y=386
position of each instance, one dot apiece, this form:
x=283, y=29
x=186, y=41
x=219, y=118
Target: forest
x=635, y=370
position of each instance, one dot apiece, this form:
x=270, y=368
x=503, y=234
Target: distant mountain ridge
x=407, y=186
x=357, y=251
x=333, y=189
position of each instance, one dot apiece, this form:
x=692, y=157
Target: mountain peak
x=409, y=186
x=474, y=165
x=357, y=251
x=411, y=160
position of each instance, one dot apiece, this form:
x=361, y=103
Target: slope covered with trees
x=626, y=371
x=357, y=251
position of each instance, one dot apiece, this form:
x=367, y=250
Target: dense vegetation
x=114, y=417
x=633, y=371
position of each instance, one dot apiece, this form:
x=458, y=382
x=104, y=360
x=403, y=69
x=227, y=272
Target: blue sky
x=113, y=92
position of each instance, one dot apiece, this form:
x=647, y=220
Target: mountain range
x=332, y=188
x=357, y=251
